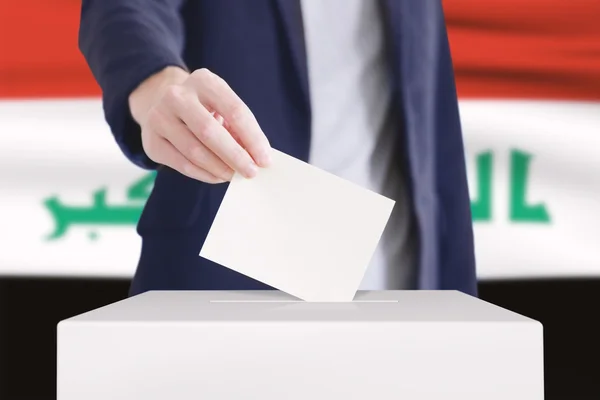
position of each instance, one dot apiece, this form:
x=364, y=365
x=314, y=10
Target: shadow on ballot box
x=30, y=308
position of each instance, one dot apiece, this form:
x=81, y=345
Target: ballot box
x=418, y=345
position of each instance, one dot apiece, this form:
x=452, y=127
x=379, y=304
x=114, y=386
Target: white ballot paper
x=298, y=229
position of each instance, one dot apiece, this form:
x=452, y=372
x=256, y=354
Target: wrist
x=151, y=89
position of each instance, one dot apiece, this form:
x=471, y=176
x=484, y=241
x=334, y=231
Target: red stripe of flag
x=39, y=56
x=535, y=49
x=538, y=49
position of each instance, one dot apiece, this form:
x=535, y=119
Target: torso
x=354, y=129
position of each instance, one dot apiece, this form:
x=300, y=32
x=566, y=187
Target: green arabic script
x=99, y=212
x=521, y=211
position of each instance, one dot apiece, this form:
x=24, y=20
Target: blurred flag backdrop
x=528, y=75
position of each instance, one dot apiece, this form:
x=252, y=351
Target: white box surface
x=418, y=345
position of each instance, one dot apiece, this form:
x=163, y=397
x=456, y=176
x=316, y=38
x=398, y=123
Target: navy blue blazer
x=257, y=47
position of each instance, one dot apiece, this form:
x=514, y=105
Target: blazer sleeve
x=124, y=42
x=456, y=241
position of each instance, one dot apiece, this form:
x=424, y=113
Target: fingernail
x=251, y=171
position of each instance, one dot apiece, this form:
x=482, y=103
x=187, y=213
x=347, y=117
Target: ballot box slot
x=302, y=301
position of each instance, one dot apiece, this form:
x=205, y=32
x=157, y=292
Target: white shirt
x=355, y=130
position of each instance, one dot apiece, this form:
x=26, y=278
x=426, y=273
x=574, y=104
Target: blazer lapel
x=414, y=35
x=291, y=17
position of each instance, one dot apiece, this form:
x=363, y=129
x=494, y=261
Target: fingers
x=202, y=129
x=168, y=155
x=214, y=136
x=215, y=94
x=194, y=151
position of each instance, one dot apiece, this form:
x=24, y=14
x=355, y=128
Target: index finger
x=214, y=136
x=215, y=94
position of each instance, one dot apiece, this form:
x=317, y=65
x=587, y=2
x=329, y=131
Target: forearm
x=124, y=42
x=150, y=90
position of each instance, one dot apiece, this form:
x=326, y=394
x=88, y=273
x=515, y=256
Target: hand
x=196, y=124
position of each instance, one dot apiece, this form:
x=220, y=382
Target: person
x=200, y=90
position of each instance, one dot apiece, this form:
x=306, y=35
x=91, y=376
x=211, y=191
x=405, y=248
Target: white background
x=64, y=149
